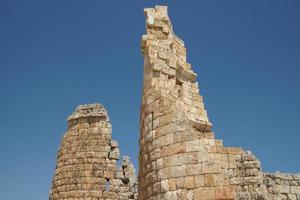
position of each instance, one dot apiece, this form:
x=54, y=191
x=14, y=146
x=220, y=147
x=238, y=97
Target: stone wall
x=87, y=160
x=282, y=186
x=179, y=156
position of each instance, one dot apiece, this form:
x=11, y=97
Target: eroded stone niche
x=87, y=160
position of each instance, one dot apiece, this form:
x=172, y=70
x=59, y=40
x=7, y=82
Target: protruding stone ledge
x=201, y=125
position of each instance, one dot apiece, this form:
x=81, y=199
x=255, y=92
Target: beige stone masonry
x=179, y=155
x=87, y=160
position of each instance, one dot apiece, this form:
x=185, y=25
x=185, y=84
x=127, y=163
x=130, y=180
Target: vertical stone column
x=87, y=160
x=179, y=157
x=174, y=124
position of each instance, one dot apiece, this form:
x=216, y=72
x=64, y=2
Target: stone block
x=171, y=195
x=189, y=182
x=207, y=193
x=194, y=169
x=199, y=181
x=295, y=189
x=209, y=180
x=164, y=185
x=113, y=143
x=211, y=168
x=172, y=184
x=224, y=193
x=195, y=145
x=176, y=148
x=114, y=154
x=180, y=183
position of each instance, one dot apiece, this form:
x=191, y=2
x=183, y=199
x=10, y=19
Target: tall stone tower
x=179, y=156
x=87, y=160
x=174, y=123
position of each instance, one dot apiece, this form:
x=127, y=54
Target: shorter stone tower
x=87, y=160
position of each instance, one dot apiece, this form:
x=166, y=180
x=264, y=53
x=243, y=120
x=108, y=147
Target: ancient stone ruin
x=179, y=159
x=87, y=160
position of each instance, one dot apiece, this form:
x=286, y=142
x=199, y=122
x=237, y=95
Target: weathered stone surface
x=176, y=133
x=179, y=158
x=86, y=163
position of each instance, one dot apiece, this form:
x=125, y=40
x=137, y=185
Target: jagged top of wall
x=165, y=54
x=89, y=110
x=157, y=18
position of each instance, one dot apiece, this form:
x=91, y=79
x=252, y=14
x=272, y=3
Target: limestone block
x=283, y=189
x=236, y=181
x=209, y=180
x=221, y=179
x=295, y=189
x=194, y=169
x=189, y=182
x=176, y=148
x=172, y=184
x=164, y=185
x=113, y=143
x=292, y=197
x=114, y=154
x=224, y=192
x=199, y=181
x=179, y=182
x=252, y=180
x=211, y=168
x=174, y=160
x=171, y=195
x=207, y=193
x=156, y=188
x=159, y=164
x=149, y=13
x=194, y=145
x=185, y=194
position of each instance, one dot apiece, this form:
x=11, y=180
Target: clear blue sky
x=57, y=54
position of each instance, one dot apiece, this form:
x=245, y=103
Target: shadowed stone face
x=87, y=160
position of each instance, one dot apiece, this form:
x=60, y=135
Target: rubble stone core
x=179, y=156
x=87, y=160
